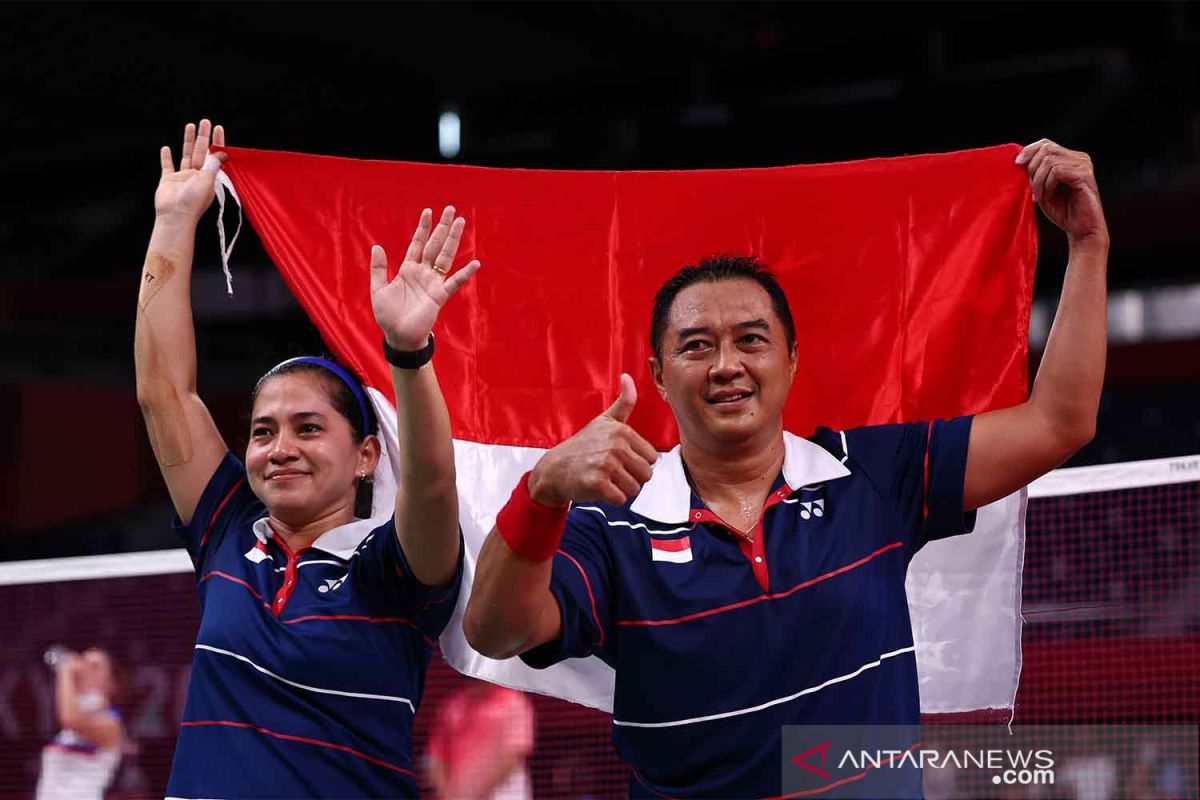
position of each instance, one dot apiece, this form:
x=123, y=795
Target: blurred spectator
x=80, y=760
x=1089, y=776
x=479, y=745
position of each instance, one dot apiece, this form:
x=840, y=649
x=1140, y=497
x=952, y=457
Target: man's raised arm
x=1011, y=447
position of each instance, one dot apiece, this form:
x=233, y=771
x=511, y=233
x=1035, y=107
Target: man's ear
x=656, y=374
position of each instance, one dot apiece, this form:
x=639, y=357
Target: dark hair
x=713, y=269
x=341, y=395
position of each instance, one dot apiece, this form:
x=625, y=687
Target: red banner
x=910, y=279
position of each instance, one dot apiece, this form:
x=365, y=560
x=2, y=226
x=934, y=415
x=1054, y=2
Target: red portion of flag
x=910, y=279
x=671, y=545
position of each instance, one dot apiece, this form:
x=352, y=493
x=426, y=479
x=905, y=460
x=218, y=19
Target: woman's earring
x=363, y=496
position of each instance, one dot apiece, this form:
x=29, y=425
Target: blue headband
x=351, y=383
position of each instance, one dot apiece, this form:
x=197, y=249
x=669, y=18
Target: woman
x=316, y=627
x=79, y=762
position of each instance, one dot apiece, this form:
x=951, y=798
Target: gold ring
x=439, y=270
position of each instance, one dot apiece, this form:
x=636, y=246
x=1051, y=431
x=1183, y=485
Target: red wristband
x=530, y=529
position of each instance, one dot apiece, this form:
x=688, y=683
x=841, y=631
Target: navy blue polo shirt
x=718, y=639
x=309, y=665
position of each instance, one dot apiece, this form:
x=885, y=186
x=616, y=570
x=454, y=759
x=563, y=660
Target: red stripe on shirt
x=925, y=492
x=642, y=781
x=290, y=579
x=358, y=618
x=753, y=600
x=592, y=597
x=843, y=781
x=228, y=577
x=220, y=507
x=806, y=792
x=303, y=739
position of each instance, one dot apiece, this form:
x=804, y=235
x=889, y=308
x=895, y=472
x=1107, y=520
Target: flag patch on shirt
x=258, y=553
x=677, y=551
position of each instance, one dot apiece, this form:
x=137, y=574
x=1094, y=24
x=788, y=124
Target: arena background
x=91, y=91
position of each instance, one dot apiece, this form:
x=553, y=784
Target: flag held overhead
x=910, y=280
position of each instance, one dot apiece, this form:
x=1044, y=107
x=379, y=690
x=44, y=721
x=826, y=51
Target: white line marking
x=623, y=524
x=845, y=447
x=1110, y=477
x=86, y=568
x=334, y=563
x=769, y=703
x=268, y=673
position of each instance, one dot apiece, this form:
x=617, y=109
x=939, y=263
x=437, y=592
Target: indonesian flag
x=910, y=280
x=677, y=551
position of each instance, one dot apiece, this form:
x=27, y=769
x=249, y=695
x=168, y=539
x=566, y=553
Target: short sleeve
x=580, y=579
x=391, y=579
x=226, y=500
x=920, y=468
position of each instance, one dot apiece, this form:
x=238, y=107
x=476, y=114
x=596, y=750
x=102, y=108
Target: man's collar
x=341, y=541
x=666, y=497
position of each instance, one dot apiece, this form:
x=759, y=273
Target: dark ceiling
x=91, y=91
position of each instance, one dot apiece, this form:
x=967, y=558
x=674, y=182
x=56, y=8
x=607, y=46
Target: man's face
x=726, y=368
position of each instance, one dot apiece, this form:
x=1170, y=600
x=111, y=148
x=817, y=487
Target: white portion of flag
x=680, y=557
x=964, y=597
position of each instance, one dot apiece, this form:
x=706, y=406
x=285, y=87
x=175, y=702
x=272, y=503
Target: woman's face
x=302, y=461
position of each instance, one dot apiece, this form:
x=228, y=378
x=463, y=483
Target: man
x=752, y=579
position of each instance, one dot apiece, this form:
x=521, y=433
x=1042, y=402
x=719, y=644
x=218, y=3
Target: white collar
x=341, y=541
x=667, y=497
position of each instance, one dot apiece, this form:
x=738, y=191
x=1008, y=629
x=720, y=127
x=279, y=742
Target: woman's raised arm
x=185, y=440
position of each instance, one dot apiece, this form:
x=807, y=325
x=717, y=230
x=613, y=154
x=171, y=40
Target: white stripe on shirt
x=268, y=673
x=621, y=523
x=769, y=703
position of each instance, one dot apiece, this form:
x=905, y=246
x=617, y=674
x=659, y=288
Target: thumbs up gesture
x=607, y=460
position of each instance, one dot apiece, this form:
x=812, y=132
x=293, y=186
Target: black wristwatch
x=408, y=359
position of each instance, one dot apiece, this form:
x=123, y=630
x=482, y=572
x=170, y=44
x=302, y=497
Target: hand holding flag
x=1064, y=186
x=407, y=306
x=607, y=460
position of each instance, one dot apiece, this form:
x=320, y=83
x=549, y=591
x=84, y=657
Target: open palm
x=188, y=191
x=407, y=306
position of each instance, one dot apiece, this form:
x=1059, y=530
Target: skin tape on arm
x=155, y=275
x=166, y=420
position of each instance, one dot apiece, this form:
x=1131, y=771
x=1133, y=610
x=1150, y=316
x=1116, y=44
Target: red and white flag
x=676, y=551
x=910, y=280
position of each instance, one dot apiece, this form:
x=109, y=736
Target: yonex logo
x=332, y=584
x=812, y=508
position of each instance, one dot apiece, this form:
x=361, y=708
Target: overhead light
x=449, y=134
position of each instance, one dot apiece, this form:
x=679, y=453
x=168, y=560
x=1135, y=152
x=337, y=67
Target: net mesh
x=1112, y=635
